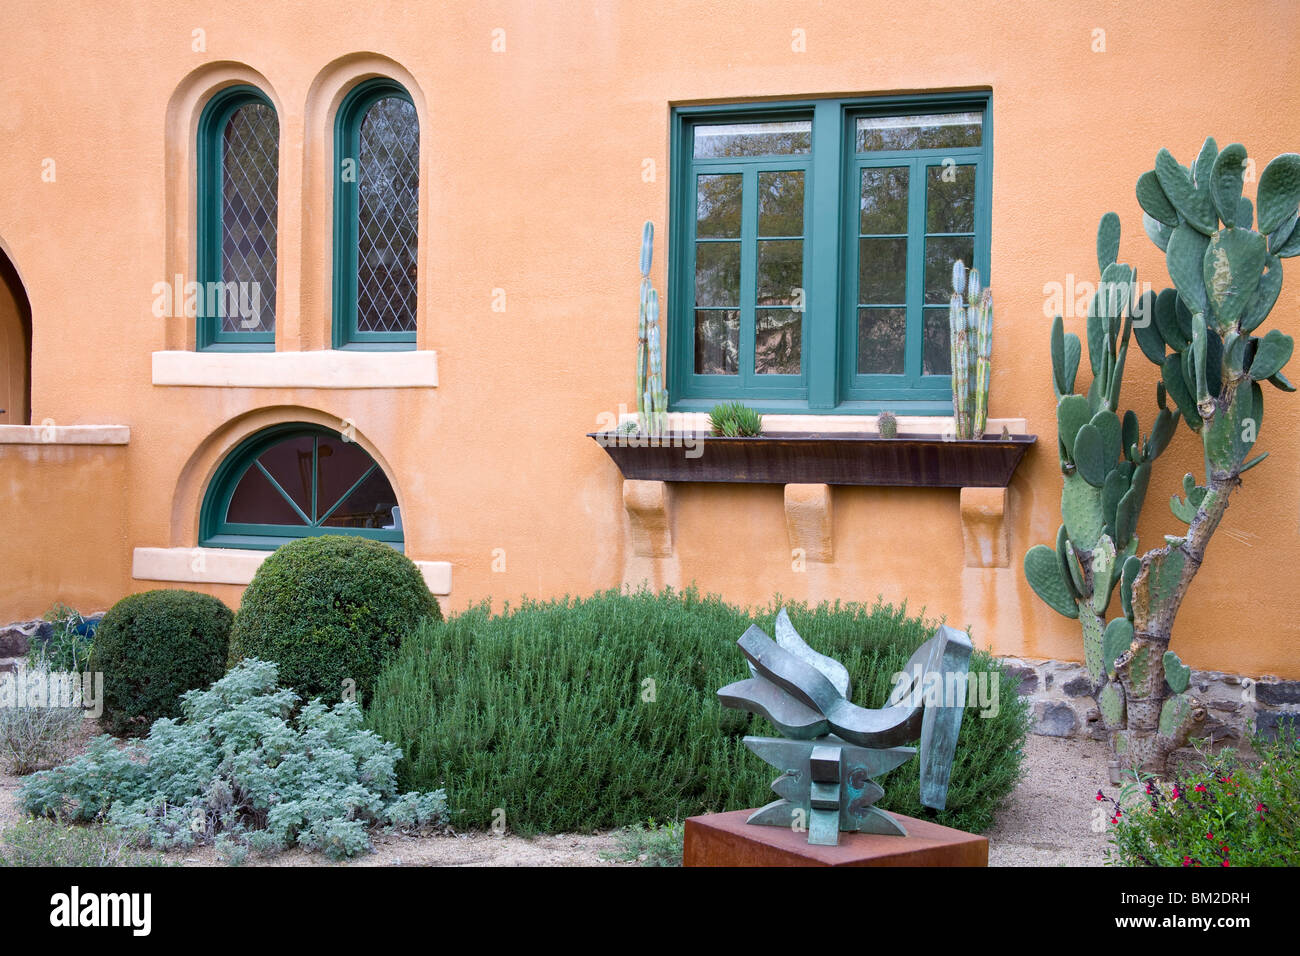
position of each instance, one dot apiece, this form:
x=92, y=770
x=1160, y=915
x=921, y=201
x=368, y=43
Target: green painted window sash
x=830, y=227
x=216, y=532
x=210, y=161
x=347, y=144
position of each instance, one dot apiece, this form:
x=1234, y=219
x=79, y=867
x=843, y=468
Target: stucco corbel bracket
x=646, y=503
x=808, y=522
x=984, y=527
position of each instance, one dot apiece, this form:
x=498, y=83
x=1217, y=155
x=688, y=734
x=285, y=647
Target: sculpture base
x=725, y=839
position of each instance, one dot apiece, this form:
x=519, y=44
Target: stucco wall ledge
x=326, y=368
x=47, y=434
x=237, y=566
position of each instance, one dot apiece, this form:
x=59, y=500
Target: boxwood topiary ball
x=330, y=610
x=151, y=648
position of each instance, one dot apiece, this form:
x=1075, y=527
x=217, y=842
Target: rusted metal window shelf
x=832, y=458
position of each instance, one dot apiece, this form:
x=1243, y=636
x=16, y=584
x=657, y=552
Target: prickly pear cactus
x=1224, y=255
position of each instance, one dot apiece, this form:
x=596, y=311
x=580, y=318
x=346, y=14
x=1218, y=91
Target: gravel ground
x=1047, y=821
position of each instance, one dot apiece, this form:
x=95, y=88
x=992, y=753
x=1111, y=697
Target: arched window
x=294, y=481
x=376, y=216
x=238, y=209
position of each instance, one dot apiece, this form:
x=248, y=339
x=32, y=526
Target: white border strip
x=237, y=566
x=328, y=368
x=51, y=434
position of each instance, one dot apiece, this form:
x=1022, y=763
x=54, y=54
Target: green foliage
x=587, y=714
x=1226, y=812
x=650, y=844
x=735, y=420
x=330, y=611
x=239, y=769
x=152, y=648
x=35, y=735
x=68, y=648
x=44, y=842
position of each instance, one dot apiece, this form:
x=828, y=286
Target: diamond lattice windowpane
x=250, y=180
x=388, y=190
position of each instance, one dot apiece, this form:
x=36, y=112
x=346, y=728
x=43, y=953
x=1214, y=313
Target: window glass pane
x=778, y=335
x=780, y=203
x=717, y=273
x=289, y=463
x=950, y=199
x=933, y=131
x=883, y=201
x=339, y=465
x=717, y=206
x=780, y=271
x=939, y=256
x=717, y=342
x=370, y=505
x=388, y=188
x=256, y=501
x=936, y=351
x=753, y=139
x=882, y=271
x=882, y=336
x=250, y=181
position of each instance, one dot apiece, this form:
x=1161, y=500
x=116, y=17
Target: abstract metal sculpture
x=835, y=747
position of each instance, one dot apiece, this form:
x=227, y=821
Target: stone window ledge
x=237, y=566
x=50, y=434
x=328, y=368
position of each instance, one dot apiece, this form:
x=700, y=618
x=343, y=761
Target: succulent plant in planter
x=970, y=325
x=887, y=425
x=735, y=420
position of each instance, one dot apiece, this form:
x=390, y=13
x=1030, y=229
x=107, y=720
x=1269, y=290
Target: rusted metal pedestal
x=724, y=839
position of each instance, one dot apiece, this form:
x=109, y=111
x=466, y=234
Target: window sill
x=840, y=456
x=236, y=566
x=329, y=368
x=65, y=434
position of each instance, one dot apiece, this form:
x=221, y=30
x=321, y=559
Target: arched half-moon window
x=238, y=212
x=376, y=217
x=294, y=481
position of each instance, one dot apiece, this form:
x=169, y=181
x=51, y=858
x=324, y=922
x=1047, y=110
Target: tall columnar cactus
x=651, y=398
x=1226, y=281
x=1106, y=463
x=970, y=325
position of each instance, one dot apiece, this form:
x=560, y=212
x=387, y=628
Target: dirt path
x=1047, y=821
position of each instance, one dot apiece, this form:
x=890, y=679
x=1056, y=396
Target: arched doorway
x=15, y=347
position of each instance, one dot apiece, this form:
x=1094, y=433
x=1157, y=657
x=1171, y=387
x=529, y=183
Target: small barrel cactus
x=887, y=425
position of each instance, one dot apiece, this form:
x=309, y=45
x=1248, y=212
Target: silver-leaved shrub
x=241, y=770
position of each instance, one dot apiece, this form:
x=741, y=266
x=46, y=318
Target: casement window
x=238, y=184
x=812, y=250
x=293, y=481
x=376, y=217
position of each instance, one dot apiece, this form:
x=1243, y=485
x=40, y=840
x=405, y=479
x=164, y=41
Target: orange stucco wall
x=532, y=163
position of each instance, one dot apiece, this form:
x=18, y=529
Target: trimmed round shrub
x=331, y=610
x=151, y=648
x=602, y=712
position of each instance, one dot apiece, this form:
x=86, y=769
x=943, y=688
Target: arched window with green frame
x=376, y=217
x=295, y=481
x=238, y=212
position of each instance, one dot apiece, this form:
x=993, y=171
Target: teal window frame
x=347, y=145
x=209, y=335
x=216, y=532
x=828, y=382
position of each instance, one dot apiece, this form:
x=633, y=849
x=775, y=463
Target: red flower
x=1209, y=836
x=1187, y=861
x=1099, y=795
x=1225, y=862
x=1200, y=788
x=1177, y=793
x=1224, y=849
x=1260, y=808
